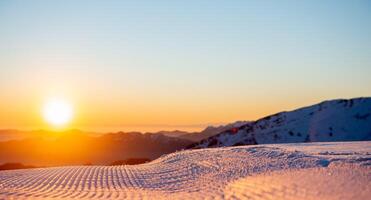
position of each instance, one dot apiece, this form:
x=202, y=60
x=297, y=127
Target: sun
x=57, y=112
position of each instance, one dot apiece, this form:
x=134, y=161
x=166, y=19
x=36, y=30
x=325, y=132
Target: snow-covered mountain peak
x=335, y=120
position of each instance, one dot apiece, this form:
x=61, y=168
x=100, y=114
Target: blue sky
x=231, y=59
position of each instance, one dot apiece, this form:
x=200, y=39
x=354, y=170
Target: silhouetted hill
x=77, y=148
x=11, y=166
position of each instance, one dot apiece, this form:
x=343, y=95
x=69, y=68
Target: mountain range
x=334, y=120
x=78, y=148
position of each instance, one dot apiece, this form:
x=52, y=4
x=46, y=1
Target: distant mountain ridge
x=75, y=148
x=14, y=134
x=211, y=131
x=334, y=120
x=174, y=133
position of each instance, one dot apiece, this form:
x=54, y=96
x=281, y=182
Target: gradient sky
x=179, y=64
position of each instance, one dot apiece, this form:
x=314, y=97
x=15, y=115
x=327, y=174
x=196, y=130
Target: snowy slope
x=285, y=171
x=336, y=120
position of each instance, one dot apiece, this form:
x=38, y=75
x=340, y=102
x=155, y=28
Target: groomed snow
x=284, y=171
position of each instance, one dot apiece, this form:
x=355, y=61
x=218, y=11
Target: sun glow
x=57, y=112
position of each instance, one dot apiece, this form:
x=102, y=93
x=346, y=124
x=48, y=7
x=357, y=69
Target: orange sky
x=100, y=111
x=127, y=65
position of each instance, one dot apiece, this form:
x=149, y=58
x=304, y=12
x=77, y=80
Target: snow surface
x=340, y=170
x=335, y=120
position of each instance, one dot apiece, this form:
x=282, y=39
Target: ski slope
x=340, y=170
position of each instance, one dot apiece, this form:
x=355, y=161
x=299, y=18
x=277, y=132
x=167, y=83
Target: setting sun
x=57, y=112
x=185, y=99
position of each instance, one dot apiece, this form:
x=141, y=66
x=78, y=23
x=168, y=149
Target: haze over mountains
x=211, y=131
x=13, y=134
x=335, y=120
x=77, y=148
